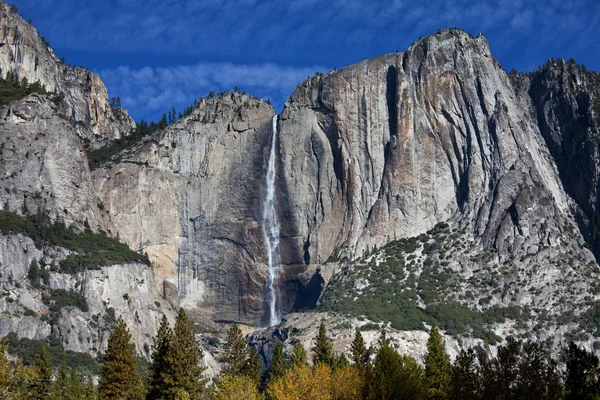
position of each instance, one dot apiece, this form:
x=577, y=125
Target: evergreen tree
x=278, y=362
x=539, y=374
x=61, y=383
x=501, y=375
x=360, y=357
x=383, y=340
x=342, y=362
x=581, y=376
x=253, y=368
x=120, y=378
x=323, y=350
x=67, y=384
x=299, y=356
x=89, y=390
x=466, y=379
x=186, y=355
x=395, y=376
x=41, y=384
x=76, y=389
x=235, y=351
x=34, y=274
x=161, y=377
x=438, y=369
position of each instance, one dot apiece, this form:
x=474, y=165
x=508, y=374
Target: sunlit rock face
x=381, y=150
x=24, y=54
x=389, y=147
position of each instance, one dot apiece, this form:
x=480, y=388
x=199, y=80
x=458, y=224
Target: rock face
x=25, y=54
x=566, y=100
x=385, y=149
x=389, y=147
x=191, y=197
x=129, y=291
x=43, y=164
x=44, y=168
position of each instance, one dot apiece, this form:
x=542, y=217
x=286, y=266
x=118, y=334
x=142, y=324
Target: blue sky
x=156, y=54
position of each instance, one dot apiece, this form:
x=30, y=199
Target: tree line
x=518, y=371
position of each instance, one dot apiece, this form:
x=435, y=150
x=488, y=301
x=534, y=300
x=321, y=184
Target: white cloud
x=154, y=90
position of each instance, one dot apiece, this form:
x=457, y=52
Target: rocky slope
x=422, y=186
x=25, y=54
x=191, y=197
x=391, y=147
x=44, y=169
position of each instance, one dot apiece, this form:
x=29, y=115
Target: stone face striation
x=191, y=197
x=24, y=54
x=389, y=147
x=381, y=150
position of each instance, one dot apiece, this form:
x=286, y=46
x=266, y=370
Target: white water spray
x=271, y=232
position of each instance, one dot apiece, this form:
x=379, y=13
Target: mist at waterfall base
x=271, y=232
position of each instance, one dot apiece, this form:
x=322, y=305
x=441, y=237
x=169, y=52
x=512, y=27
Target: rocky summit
x=422, y=187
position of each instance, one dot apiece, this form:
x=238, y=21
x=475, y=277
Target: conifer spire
x=120, y=377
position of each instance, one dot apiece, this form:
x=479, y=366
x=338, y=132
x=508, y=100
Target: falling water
x=271, y=232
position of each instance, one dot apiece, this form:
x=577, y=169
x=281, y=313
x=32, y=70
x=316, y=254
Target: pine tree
x=394, y=376
x=278, y=362
x=360, y=357
x=466, y=378
x=41, y=385
x=76, y=389
x=120, y=378
x=34, y=274
x=89, y=390
x=342, y=362
x=438, y=369
x=323, y=350
x=581, y=376
x=186, y=355
x=253, y=368
x=161, y=377
x=501, y=375
x=299, y=357
x=61, y=383
x=67, y=384
x=235, y=351
x=539, y=374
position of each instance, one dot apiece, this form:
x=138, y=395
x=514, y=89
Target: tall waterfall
x=271, y=232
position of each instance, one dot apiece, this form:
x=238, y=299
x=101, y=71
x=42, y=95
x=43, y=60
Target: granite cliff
x=405, y=183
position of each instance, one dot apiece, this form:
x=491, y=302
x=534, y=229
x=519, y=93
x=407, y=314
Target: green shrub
x=93, y=250
x=11, y=89
x=63, y=298
x=26, y=350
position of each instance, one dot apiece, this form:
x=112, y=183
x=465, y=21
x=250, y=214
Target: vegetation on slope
x=92, y=250
x=11, y=89
x=417, y=281
x=26, y=349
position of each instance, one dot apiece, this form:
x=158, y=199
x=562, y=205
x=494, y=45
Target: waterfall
x=271, y=233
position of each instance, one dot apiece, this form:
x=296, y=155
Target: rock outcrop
x=24, y=54
x=191, y=197
x=128, y=291
x=389, y=147
x=43, y=164
x=385, y=149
